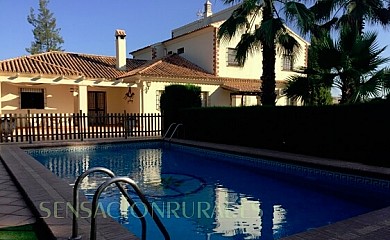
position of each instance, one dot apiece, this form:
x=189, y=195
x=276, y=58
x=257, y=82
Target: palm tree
x=318, y=21
x=270, y=34
x=310, y=86
x=353, y=65
x=360, y=12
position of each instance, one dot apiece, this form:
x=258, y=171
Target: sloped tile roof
x=94, y=67
x=246, y=85
x=35, y=66
x=172, y=66
x=68, y=64
x=241, y=85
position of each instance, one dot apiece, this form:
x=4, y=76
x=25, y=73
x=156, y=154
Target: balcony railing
x=77, y=126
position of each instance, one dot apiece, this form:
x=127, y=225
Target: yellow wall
x=58, y=99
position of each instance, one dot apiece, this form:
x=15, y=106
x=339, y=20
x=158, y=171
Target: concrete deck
x=36, y=184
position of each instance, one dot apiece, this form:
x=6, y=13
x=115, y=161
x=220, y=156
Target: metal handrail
x=75, y=234
x=169, y=128
x=131, y=182
x=174, y=131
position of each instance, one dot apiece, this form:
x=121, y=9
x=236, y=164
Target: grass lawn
x=18, y=233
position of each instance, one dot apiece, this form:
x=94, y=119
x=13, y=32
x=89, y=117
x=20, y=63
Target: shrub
x=176, y=97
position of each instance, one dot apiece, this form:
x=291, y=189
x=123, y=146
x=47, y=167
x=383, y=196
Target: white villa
x=66, y=82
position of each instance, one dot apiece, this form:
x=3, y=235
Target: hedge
x=351, y=132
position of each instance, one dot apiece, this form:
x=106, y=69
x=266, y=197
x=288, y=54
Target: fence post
x=29, y=126
x=124, y=120
x=81, y=125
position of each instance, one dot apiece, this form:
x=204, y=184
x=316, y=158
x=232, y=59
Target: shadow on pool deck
x=33, y=184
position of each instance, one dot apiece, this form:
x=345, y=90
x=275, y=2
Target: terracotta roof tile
x=120, y=32
x=34, y=66
x=172, y=66
x=68, y=64
x=246, y=85
x=242, y=85
x=95, y=66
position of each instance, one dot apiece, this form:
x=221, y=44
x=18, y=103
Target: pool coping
x=32, y=178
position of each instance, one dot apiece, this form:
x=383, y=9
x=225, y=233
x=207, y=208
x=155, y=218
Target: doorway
x=96, y=108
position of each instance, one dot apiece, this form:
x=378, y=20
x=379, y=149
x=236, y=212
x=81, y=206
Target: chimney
x=120, y=37
x=207, y=9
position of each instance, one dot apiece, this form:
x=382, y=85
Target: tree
x=352, y=64
x=176, y=97
x=270, y=34
x=309, y=87
x=357, y=76
x=46, y=34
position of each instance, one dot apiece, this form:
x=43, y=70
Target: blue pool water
x=202, y=194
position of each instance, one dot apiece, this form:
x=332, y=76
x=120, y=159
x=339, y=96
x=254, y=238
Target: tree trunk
x=268, y=96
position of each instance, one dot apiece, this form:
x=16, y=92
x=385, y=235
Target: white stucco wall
x=144, y=54
x=198, y=48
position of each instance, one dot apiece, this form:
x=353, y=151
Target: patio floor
x=13, y=209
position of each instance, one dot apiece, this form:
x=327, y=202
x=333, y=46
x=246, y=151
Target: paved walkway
x=13, y=208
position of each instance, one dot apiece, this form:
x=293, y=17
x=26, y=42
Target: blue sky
x=88, y=26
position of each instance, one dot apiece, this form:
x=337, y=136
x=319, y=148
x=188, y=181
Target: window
x=32, y=98
x=204, y=98
x=170, y=52
x=180, y=50
x=287, y=62
x=231, y=59
x=158, y=97
x=291, y=102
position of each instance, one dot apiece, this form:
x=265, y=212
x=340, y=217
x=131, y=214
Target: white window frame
x=288, y=64
x=231, y=57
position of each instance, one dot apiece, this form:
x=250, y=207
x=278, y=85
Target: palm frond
x=323, y=9
x=240, y=21
x=383, y=16
x=298, y=12
x=237, y=22
x=268, y=31
x=366, y=53
x=287, y=44
x=298, y=89
x=246, y=46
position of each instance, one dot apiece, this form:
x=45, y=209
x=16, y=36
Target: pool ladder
x=101, y=188
x=177, y=125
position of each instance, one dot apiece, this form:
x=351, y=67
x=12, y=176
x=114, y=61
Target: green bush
x=177, y=97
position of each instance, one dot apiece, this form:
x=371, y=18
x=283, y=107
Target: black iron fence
x=77, y=126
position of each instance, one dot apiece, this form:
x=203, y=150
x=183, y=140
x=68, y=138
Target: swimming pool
x=202, y=194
